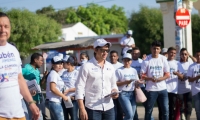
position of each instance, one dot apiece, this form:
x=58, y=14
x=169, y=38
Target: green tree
x=195, y=32
x=29, y=30
x=147, y=25
x=98, y=18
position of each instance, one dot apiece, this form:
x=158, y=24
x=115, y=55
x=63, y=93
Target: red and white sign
x=45, y=55
x=182, y=17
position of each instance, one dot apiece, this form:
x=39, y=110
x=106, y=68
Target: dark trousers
x=73, y=112
x=186, y=104
x=101, y=115
x=118, y=110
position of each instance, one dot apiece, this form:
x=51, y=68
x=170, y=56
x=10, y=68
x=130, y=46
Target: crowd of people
x=99, y=89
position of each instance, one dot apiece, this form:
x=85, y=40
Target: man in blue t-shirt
x=31, y=72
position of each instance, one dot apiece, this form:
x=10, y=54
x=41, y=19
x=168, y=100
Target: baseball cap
x=164, y=50
x=56, y=60
x=129, y=32
x=127, y=55
x=101, y=43
x=69, y=59
x=60, y=55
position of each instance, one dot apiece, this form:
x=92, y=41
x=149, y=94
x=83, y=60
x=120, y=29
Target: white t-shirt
x=54, y=77
x=184, y=86
x=10, y=97
x=117, y=65
x=123, y=74
x=137, y=65
x=127, y=41
x=172, y=82
x=70, y=79
x=193, y=71
x=155, y=67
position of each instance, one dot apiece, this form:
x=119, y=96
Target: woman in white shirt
x=69, y=77
x=54, y=88
x=127, y=76
x=184, y=87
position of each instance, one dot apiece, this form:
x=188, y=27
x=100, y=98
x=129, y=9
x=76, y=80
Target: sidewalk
x=141, y=112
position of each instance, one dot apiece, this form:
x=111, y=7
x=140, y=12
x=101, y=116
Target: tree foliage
x=147, y=24
x=29, y=29
x=98, y=18
x=195, y=32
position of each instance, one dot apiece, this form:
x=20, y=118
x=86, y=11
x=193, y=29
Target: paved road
x=141, y=113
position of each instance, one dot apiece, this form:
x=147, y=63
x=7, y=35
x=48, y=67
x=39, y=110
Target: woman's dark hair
x=183, y=49
x=86, y=55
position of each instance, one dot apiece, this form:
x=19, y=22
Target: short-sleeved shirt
x=31, y=73
x=54, y=77
x=10, y=68
x=70, y=79
x=127, y=74
x=193, y=71
x=117, y=65
x=137, y=65
x=184, y=86
x=127, y=41
x=172, y=81
x=155, y=67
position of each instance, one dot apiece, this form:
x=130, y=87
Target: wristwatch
x=29, y=103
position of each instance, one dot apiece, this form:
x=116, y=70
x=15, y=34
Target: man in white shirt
x=155, y=70
x=114, y=57
x=12, y=83
x=96, y=80
x=127, y=42
x=194, y=77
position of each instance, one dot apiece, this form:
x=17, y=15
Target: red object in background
x=182, y=17
x=177, y=113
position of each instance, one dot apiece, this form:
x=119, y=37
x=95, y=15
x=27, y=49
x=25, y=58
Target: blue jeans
x=162, y=97
x=39, y=105
x=144, y=104
x=128, y=104
x=101, y=115
x=73, y=112
x=25, y=109
x=55, y=109
x=196, y=99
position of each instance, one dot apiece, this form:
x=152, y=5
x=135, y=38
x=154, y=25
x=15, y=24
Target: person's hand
x=83, y=114
x=138, y=82
x=66, y=91
x=144, y=56
x=45, y=73
x=65, y=98
x=35, y=111
x=115, y=96
x=33, y=92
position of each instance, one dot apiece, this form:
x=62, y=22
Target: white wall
x=78, y=30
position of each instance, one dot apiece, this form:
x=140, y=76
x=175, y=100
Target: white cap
x=164, y=50
x=127, y=55
x=57, y=59
x=60, y=55
x=66, y=58
x=129, y=32
x=101, y=42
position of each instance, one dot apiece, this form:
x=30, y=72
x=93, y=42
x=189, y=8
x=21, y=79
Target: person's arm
x=180, y=76
x=27, y=96
x=83, y=113
x=193, y=58
x=126, y=82
x=192, y=79
x=56, y=91
x=44, y=78
x=69, y=90
x=133, y=45
x=166, y=76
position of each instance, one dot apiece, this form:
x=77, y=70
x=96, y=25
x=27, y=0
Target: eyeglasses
x=104, y=50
